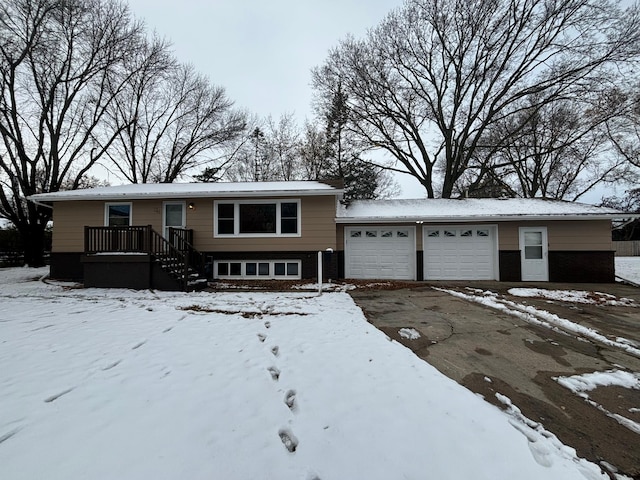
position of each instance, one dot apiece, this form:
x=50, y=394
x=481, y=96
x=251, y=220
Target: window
x=372, y=233
x=433, y=233
x=117, y=214
x=482, y=233
x=449, y=233
x=289, y=217
x=386, y=234
x=263, y=269
x=466, y=233
x=226, y=216
x=402, y=234
x=355, y=234
x=257, y=218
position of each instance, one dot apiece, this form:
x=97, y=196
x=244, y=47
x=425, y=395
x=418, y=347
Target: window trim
x=112, y=204
x=243, y=268
x=236, y=218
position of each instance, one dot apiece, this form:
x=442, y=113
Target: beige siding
x=318, y=229
x=574, y=235
x=69, y=219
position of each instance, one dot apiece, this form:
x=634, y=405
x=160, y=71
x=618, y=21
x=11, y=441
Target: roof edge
x=52, y=197
x=491, y=218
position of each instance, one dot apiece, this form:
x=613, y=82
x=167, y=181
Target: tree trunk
x=33, y=240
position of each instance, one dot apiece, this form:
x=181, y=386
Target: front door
x=534, y=254
x=173, y=215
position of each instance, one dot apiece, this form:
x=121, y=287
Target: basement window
x=257, y=269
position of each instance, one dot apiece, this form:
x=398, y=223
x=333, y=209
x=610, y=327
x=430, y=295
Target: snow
x=574, y=296
x=628, y=268
x=580, y=384
x=543, y=318
x=190, y=190
x=591, y=381
x=469, y=209
x=409, y=333
x=114, y=383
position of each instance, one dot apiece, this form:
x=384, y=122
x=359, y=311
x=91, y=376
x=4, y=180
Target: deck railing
x=178, y=251
x=182, y=239
x=117, y=239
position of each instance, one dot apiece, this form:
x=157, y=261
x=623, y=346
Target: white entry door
x=534, y=251
x=173, y=215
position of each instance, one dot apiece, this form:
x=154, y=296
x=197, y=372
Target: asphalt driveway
x=491, y=352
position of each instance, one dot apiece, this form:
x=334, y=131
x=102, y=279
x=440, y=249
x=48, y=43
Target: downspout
x=46, y=205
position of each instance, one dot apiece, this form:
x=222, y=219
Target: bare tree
x=623, y=130
x=426, y=84
x=252, y=159
x=314, y=156
x=60, y=64
x=283, y=137
x=175, y=120
x=556, y=150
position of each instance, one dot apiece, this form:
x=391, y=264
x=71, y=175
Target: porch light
x=192, y=206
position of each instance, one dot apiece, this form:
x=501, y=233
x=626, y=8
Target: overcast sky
x=261, y=51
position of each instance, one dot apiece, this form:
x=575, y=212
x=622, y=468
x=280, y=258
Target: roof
x=470, y=210
x=191, y=190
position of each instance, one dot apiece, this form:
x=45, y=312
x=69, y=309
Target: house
x=168, y=236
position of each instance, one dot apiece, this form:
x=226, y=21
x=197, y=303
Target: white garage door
x=380, y=252
x=460, y=252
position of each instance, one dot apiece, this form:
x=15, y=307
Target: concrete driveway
x=493, y=352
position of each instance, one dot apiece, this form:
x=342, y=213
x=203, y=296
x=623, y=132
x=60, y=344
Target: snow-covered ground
x=628, y=268
x=103, y=384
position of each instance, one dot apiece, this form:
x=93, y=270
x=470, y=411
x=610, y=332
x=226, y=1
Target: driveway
x=492, y=352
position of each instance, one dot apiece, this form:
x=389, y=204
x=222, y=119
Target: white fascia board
x=492, y=218
x=43, y=197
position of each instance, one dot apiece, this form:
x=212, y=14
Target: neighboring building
x=163, y=235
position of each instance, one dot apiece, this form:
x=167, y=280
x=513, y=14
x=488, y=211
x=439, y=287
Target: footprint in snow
x=290, y=400
x=53, y=398
x=275, y=373
x=288, y=439
x=275, y=350
x=267, y=324
x=262, y=337
x=168, y=329
x=111, y=365
x=138, y=345
x=8, y=435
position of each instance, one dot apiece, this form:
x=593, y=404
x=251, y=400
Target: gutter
x=476, y=219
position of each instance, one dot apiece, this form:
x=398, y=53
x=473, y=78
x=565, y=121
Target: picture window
x=257, y=218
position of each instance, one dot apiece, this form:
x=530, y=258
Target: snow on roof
x=191, y=190
x=469, y=209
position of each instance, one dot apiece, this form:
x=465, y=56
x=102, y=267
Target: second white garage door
x=380, y=252
x=460, y=252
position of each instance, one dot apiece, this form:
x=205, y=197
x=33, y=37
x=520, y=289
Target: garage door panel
x=459, y=252
x=380, y=253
